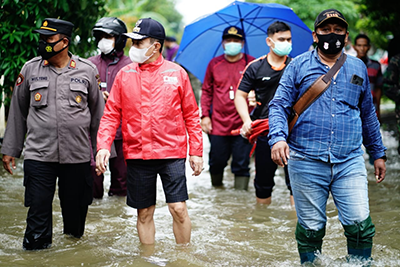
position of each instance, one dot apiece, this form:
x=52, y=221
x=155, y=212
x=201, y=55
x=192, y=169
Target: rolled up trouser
x=308, y=242
x=359, y=238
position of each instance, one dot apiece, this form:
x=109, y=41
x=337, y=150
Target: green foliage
x=381, y=20
x=161, y=10
x=19, y=18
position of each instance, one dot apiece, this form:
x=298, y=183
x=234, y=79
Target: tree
x=18, y=42
x=381, y=20
x=161, y=10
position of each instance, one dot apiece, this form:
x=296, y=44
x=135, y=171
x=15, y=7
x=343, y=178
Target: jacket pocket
x=78, y=95
x=39, y=92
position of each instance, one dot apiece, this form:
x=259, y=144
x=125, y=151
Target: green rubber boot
x=216, y=179
x=308, y=242
x=242, y=182
x=359, y=238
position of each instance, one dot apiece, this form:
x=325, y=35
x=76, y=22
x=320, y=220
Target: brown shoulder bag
x=313, y=92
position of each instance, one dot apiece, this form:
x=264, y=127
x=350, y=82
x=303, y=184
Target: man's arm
x=206, y=99
x=96, y=106
x=243, y=109
x=279, y=109
x=14, y=136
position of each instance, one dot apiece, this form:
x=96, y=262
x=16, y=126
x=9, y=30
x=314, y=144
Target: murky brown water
x=229, y=229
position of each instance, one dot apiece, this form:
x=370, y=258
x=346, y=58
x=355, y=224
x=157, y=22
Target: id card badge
x=103, y=86
x=231, y=93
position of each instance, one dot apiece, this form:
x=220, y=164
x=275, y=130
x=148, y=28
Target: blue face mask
x=282, y=48
x=232, y=48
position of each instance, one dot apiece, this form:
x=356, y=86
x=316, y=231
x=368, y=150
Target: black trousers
x=75, y=193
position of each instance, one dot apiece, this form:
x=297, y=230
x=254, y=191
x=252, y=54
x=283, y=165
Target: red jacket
x=158, y=110
x=219, y=87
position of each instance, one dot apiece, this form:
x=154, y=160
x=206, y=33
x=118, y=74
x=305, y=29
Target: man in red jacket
x=219, y=116
x=154, y=99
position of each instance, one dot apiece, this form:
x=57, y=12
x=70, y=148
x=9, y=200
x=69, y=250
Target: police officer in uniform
x=56, y=102
x=108, y=32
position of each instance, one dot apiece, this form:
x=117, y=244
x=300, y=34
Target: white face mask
x=106, y=46
x=139, y=55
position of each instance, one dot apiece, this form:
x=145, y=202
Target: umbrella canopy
x=201, y=40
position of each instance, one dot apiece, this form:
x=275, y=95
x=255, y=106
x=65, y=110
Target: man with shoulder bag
x=324, y=149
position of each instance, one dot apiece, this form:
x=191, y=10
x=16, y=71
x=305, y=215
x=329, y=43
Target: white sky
x=192, y=9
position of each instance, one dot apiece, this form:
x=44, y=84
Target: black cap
x=233, y=31
x=329, y=14
x=52, y=26
x=147, y=27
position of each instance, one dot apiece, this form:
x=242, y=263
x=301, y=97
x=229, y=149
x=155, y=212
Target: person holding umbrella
x=262, y=75
x=324, y=149
x=219, y=116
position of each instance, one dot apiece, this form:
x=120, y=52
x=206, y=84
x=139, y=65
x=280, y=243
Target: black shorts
x=142, y=181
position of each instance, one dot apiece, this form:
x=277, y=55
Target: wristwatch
x=384, y=158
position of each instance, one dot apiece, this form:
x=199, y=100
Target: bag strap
x=318, y=87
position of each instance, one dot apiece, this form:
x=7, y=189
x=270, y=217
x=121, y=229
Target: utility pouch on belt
x=317, y=88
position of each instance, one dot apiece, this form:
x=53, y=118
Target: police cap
x=52, y=26
x=233, y=31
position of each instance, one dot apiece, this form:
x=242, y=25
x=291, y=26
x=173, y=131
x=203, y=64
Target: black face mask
x=46, y=50
x=331, y=43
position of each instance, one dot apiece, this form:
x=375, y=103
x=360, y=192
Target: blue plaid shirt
x=335, y=126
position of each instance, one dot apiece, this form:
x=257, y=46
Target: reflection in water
x=229, y=229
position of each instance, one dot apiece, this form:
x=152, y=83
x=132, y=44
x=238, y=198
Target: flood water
x=228, y=227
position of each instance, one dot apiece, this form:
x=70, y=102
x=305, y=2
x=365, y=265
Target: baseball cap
x=233, y=31
x=52, y=26
x=147, y=27
x=329, y=14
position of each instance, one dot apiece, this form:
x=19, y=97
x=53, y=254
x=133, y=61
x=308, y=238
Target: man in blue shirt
x=324, y=150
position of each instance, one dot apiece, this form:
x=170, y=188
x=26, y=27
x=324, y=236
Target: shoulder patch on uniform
x=98, y=80
x=20, y=79
x=169, y=70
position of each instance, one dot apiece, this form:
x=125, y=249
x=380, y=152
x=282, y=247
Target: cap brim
x=135, y=36
x=45, y=32
x=232, y=35
x=332, y=18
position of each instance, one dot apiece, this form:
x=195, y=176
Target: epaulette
x=35, y=59
x=87, y=61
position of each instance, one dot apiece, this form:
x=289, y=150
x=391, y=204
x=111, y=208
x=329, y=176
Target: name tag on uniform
x=103, y=85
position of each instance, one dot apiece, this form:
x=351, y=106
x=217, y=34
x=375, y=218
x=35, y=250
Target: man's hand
x=105, y=95
x=102, y=157
x=206, y=125
x=380, y=170
x=245, y=131
x=196, y=163
x=280, y=153
x=6, y=163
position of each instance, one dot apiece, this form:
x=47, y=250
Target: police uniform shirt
x=56, y=109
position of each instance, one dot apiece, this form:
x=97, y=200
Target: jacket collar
x=153, y=65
